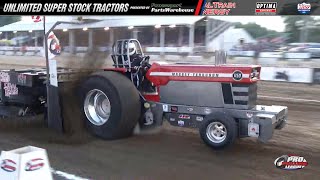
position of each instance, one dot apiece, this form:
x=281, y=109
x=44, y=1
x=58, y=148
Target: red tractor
x=219, y=100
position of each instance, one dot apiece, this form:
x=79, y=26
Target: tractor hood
x=161, y=74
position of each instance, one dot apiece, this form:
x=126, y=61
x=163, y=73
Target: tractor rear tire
x=118, y=113
x=218, y=131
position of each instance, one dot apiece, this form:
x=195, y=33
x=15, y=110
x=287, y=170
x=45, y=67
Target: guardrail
x=277, y=55
x=37, y=51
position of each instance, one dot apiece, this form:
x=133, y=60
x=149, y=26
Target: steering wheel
x=145, y=61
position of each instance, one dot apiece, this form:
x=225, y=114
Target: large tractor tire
x=111, y=105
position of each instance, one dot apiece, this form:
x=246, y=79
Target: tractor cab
x=127, y=53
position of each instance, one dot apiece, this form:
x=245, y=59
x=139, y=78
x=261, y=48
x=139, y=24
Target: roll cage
x=121, y=54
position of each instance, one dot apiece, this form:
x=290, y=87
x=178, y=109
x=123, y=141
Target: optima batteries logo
x=304, y=8
x=290, y=162
x=266, y=8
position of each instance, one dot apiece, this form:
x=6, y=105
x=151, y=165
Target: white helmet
x=132, y=48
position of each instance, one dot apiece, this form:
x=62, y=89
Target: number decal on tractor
x=237, y=75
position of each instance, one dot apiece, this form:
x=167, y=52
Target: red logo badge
x=34, y=164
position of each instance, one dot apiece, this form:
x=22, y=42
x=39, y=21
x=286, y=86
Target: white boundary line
x=290, y=99
x=67, y=175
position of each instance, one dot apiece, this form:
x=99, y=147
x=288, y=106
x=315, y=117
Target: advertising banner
x=299, y=75
x=316, y=76
x=241, y=53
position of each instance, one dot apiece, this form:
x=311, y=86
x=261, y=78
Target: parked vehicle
x=314, y=50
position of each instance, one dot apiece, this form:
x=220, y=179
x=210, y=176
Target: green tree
x=314, y=35
x=4, y=20
x=293, y=28
x=256, y=30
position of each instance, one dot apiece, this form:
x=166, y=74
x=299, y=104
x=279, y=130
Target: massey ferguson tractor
x=219, y=100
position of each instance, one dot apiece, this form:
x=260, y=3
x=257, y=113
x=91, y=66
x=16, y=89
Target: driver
x=135, y=58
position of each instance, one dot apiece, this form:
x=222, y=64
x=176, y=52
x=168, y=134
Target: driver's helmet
x=132, y=48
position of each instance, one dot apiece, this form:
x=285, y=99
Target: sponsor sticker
x=10, y=89
x=290, y=162
x=181, y=123
x=4, y=77
x=8, y=165
x=207, y=111
x=304, y=8
x=253, y=130
x=189, y=109
x=174, y=109
x=218, y=8
x=184, y=116
x=34, y=164
x=165, y=108
x=22, y=79
x=199, y=118
x=266, y=8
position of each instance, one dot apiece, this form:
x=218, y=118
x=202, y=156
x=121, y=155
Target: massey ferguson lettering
x=195, y=74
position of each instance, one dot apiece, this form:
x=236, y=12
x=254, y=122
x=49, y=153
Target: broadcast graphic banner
x=157, y=7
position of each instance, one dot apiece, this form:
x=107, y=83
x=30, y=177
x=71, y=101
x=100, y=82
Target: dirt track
x=177, y=153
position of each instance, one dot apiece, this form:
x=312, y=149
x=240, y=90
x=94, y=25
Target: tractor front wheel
x=218, y=131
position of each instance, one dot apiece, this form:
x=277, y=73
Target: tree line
x=292, y=28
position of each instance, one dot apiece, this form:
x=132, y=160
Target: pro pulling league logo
x=54, y=44
x=266, y=8
x=54, y=47
x=304, y=8
x=8, y=165
x=34, y=164
x=290, y=162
